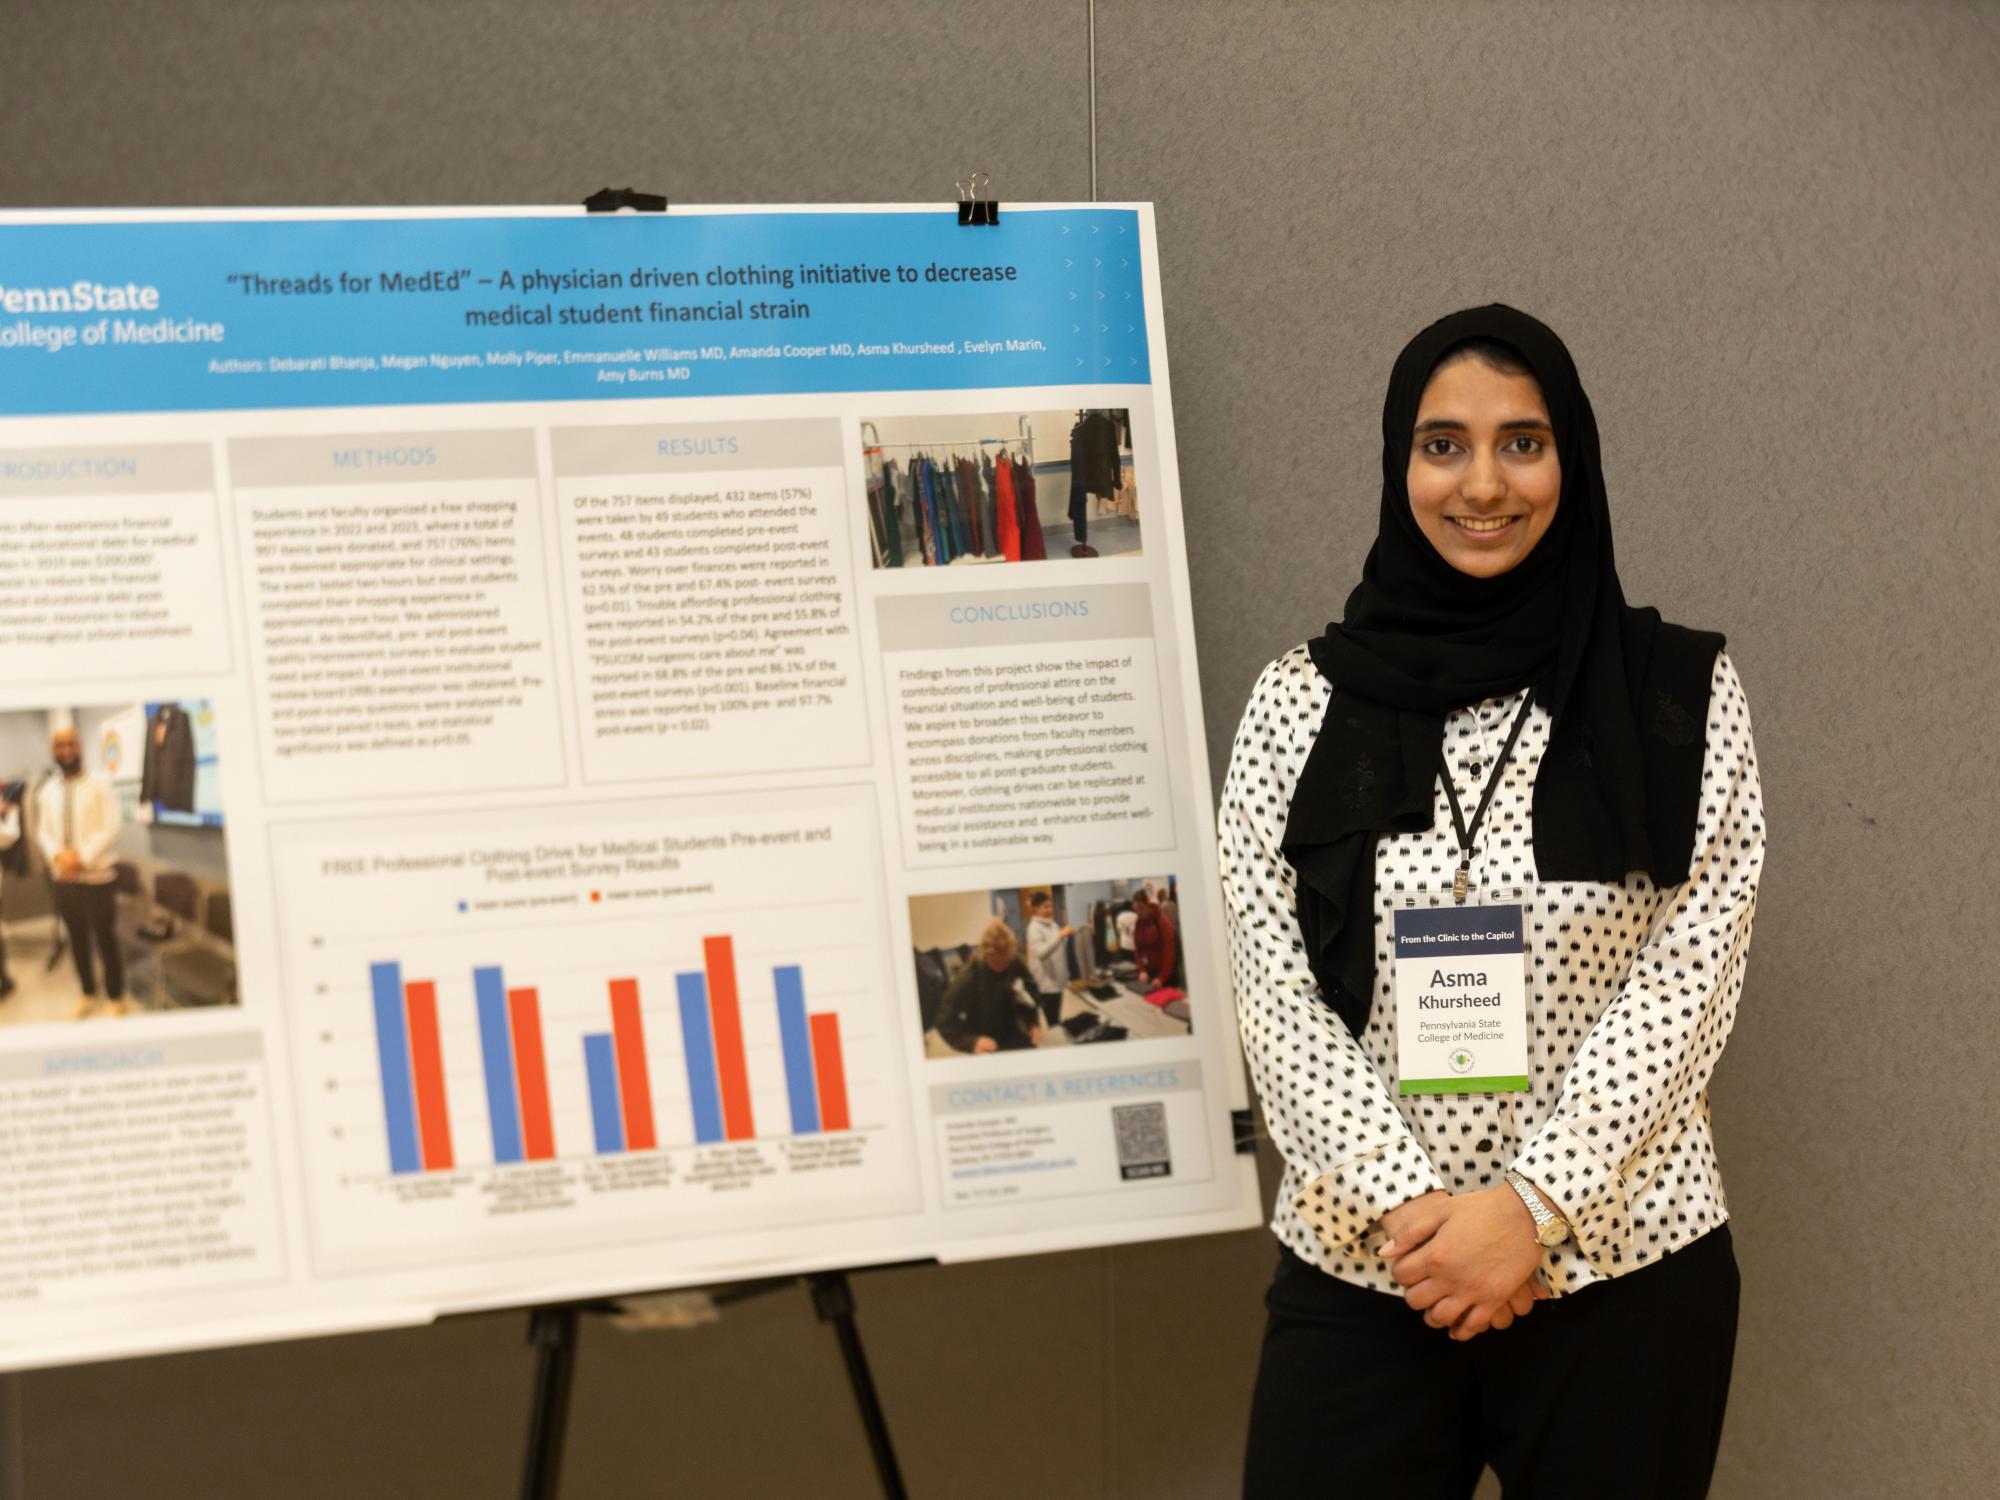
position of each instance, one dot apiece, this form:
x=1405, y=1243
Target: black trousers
x=90, y=912
x=1614, y=1392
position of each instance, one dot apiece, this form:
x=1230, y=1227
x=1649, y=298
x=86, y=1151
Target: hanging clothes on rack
x=871, y=473
x=968, y=505
x=956, y=508
x=1009, y=522
x=968, y=487
x=989, y=505
x=886, y=515
x=1093, y=467
x=961, y=532
x=913, y=498
x=1093, y=452
x=954, y=522
x=936, y=513
x=1028, y=514
x=968, y=510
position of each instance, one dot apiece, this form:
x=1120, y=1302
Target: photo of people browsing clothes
x=964, y=489
x=1049, y=966
x=114, y=882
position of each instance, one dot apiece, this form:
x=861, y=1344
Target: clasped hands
x=1466, y=1261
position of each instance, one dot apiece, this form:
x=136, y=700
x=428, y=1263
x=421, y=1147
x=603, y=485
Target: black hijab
x=1619, y=786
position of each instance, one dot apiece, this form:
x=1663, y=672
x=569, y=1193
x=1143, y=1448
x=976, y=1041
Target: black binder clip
x=610, y=200
x=1243, y=1124
x=975, y=205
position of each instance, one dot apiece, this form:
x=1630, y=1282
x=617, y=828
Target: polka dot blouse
x=1631, y=993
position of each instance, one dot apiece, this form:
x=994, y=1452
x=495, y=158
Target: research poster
x=547, y=755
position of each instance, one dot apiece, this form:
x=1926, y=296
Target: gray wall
x=1766, y=231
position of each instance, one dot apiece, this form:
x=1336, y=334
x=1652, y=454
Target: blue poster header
x=229, y=314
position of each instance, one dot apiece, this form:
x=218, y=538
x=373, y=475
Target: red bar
x=427, y=1063
x=531, y=1075
x=829, y=1072
x=628, y=1039
x=733, y=1073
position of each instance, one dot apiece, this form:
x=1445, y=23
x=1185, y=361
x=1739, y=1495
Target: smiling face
x=1484, y=478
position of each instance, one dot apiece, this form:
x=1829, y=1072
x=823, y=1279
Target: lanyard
x=1461, y=879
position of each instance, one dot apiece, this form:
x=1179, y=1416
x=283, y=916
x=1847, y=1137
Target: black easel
x=553, y=1330
x=833, y=1300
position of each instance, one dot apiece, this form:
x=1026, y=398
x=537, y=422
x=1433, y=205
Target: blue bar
x=798, y=1048
x=1056, y=264
x=392, y=1044
x=496, y=1048
x=602, y=1065
x=698, y=1041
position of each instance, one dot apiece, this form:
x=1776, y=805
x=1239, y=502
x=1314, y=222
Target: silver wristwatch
x=1550, y=1228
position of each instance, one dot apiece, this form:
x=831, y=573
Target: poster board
x=647, y=672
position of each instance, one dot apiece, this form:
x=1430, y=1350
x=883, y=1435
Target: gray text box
x=112, y=469
x=160, y=1052
x=380, y=458
x=1146, y=1080
x=1015, y=617
x=697, y=447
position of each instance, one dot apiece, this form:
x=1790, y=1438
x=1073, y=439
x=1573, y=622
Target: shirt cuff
x=1582, y=1186
x=1340, y=1205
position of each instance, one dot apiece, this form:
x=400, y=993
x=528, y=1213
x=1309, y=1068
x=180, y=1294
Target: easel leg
x=833, y=1299
x=552, y=1330
x=13, y=1463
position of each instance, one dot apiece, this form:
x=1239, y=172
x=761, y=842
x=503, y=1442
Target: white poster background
x=299, y=1274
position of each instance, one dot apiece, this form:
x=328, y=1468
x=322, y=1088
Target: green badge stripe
x=1504, y=1085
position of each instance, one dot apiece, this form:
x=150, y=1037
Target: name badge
x=1461, y=1000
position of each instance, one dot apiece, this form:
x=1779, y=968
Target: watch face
x=1553, y=1233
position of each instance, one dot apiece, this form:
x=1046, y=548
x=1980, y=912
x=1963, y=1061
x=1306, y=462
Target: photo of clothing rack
x=974, y=492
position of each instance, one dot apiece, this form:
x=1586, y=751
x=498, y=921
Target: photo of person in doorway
x=114, y=872
x=76, y=825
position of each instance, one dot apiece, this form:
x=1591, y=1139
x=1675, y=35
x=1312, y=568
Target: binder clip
x=1243, y=1126
x=610, y=200
x=975, y=205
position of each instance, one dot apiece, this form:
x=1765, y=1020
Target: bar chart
x=604, y=1050
x=695, y=1023
x=515, y=1072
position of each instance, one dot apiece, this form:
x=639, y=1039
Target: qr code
x=1142, y=1140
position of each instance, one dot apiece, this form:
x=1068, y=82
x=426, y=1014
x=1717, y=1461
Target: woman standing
x=1491, y=748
